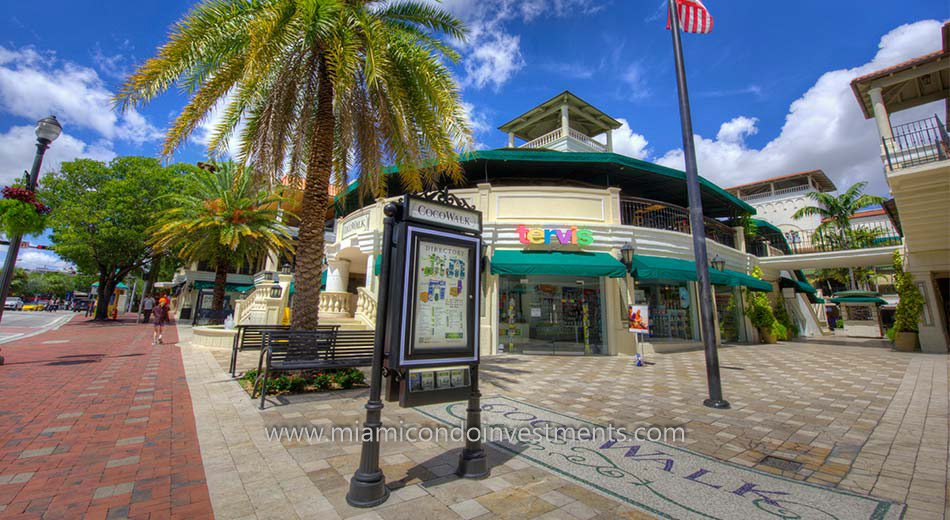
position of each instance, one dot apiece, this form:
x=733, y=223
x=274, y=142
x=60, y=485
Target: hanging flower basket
x=20, y=212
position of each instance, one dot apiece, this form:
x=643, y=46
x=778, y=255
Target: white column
x=511, y=139
x=610, y=140
x=338, y=274
x=880, y=114
x=370, y=282
x=565, y=121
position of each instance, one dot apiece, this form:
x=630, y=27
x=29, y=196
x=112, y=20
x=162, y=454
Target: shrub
x=349, y=377
x=759, y=309
x=782, y=317
x=911, y=304
x=891, y=333
x=780, y=331
x=322, y=381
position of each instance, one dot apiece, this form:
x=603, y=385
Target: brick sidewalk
x=97, y=423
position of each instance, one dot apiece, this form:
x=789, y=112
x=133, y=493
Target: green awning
x=517, y=262
x=816, y=299
x=377, y=265
x=800, y=287
x=738, y=279
x=850, y=294
x=230, y=287
x=646, y=267
x=119, y=286
x=859, y=299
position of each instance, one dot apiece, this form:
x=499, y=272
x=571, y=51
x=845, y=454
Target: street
x=22, y=324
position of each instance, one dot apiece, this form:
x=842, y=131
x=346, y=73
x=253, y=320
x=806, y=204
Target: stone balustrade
x=337, y=304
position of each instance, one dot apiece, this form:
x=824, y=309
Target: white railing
x=782, y=191
x=365, y=306
x=774, y=251
x=544, y=140
x=252, y=309
x=587, y=140
x=337, y=303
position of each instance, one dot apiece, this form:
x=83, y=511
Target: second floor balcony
x=661, y=215
x=916, y=143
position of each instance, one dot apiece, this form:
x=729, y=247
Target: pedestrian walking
x=147, y=305
x=160, y=316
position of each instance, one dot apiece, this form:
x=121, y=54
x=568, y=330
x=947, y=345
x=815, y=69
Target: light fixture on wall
x=275, y=291
x=718, y=263
x=626, y=255
x=285, y=269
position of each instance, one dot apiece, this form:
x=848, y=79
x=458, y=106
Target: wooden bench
x=249, y=337
x=311, y=350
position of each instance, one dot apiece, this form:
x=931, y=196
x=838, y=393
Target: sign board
x=638, y=317
x=442, y=215
x=433, y=313
x=439, y=300
x=353, y=226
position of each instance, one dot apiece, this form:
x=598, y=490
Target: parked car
x=35, y=306
x=80, y=305
x=13, y=304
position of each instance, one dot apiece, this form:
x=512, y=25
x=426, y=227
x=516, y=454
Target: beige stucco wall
x=505, y=208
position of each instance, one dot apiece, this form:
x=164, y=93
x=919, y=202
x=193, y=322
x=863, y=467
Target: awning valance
x=230, y=287
x=859, y=299
x=800, y=287
x=377, y=266
x=744, y=280
x=568, y=263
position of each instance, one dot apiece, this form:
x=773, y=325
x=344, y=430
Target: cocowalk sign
x=433, y=327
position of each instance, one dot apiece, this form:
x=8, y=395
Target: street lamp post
x=626, y=257
x=47, y=130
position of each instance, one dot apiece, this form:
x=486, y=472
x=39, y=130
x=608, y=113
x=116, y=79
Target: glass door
x=550, y=315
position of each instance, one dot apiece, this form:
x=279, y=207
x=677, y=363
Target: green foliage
x=891, y=333
x=780, y=331
x=317, y=89
x=911, y=304
x=729, y=326
x=221, y=218
x=280, y=383
x=19, y=218
x=759, y=308
x=101, y=213
x=788, y=329
x=27, y=284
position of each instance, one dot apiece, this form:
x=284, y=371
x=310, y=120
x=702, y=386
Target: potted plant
x=909, y=308
x=759, y=310
x=20, y=213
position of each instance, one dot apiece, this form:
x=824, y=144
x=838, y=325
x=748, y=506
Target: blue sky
x=768, y=86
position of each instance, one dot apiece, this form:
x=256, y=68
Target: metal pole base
x=473, y=465
x=720, y=404
x=367, y=490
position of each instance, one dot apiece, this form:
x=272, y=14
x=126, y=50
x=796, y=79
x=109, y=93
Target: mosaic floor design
x=660, y=479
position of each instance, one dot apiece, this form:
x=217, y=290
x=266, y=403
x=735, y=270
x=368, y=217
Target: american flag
x=693, y=16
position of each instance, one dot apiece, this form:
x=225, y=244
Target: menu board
x=441, y=296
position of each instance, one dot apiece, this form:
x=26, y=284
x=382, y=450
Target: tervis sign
x=565, y=237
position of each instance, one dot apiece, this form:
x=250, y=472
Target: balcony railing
x=804, y=242
x=916, y=143
x=660, y=215
x=556, y=134
x=804, y=188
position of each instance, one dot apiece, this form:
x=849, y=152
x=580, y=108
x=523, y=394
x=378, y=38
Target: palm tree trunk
x=220, y=281
x=306, y=309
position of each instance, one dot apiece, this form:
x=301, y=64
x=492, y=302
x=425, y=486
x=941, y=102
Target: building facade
x=554, y=221
x=916, y=160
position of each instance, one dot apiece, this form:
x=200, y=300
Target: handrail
x=662, y=215
x=587, y=140
x=540, y=142
x=916, y=143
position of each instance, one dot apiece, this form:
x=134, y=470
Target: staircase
x=345, y=323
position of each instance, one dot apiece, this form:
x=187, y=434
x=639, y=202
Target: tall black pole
x=14, y=248
x=368, y=485
x=472, y=461
x=697, y=225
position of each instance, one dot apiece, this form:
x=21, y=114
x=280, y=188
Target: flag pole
x=697, y=225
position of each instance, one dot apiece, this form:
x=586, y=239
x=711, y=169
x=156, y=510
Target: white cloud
x=491, y=56
x=635, y=81
x=18, y=146
x=35, y=84
x=823, y=129
x=36, y=259
x=628, y=142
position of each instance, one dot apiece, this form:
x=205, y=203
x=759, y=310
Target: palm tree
x=220, y=218
x=317, y=89
x=835, y=213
